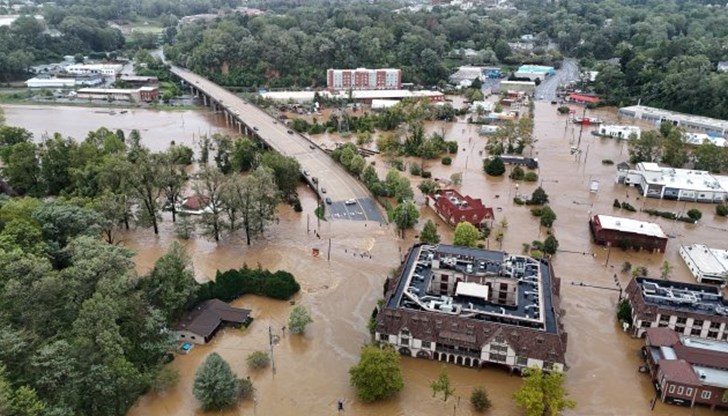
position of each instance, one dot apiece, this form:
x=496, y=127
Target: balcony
x=461, y=351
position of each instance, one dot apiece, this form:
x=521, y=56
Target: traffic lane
x=364, y=209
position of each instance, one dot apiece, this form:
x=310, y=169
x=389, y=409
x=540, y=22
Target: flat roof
x=707, y=260
x=712, y=376
x=697, y=180
x=675, y=116
x=530, y=280
x=705, y=344
x=529, y=83
x=629, y=225
x=683, y=297
x=107, y=91
x=356, y=94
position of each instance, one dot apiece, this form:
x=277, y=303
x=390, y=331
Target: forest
x=664, y=53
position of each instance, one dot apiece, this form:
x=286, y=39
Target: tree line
x=127, y=184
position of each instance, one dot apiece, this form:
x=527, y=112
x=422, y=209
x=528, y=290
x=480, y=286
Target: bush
x=494, y=167
x=297, y=205
x=452, y=146
x=550, y=245
x=624, y=311
x=695, y=214
x=233, y=283
x=258, y=360
x=415, y=169
x=616, y=204
x=531, y=177
x=663, y=214
x=721, y=210
x=426, y=174
x=447, y=160
x=536, y=212
x=548, y=216
x=538, y=197
x=517, y=173
x=607, y=162
x=628, y=207
x=246, y=388
x=518, y=201
x=563, y=109
x=480, y=400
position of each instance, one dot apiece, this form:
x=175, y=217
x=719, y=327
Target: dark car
x=328, y=200
x=290, y=131
x=323, y=190
x=255, y=128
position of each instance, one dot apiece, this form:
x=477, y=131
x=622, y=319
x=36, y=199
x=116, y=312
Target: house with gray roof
x=201, y=323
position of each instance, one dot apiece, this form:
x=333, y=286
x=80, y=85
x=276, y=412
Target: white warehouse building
x=618, y=132
x=708, y=265
x=655, y=181
x=108, y=70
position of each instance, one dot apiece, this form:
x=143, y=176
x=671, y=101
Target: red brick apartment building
x=686, y=370
x=364, y=79
x=454, y=208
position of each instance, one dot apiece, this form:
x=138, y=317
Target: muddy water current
x=312, y=370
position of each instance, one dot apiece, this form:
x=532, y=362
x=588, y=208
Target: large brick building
x=689, y=309
x=364, y=79
x=454, y=208
x=627, y=233
x=474, y=307
x=687, y=370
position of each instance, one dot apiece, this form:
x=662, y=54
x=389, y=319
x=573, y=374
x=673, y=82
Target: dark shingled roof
x=204, y=319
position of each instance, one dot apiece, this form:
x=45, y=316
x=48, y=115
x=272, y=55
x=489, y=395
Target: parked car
x=350, y=202
x=323, y=190
x=328, y=200
x=305, y=172
x=255, y=128
x=290, y=131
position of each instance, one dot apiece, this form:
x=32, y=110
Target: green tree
x=479, y=399
x=429, y=233
x=22, y=169
x=299, y=319
x=172, y=180
x=378, y=374
x=286, y=171
x=166, y=378
x=257, y=360
x=624, y=311
x=550, y=245
x=171, y=285
x=665, y=270
x=539, y=197
x=494, y=166
x=427, y=186
x=695, y=214
x=548, y=216
x=542, y=393
x=466, y=235
x=244, y=154
x=405, y=215
x=442, y=384
x=210, y=189
x=216, y=386
x=26, y=403
x=146, y=186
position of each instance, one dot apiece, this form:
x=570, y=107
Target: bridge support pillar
x=240, y=127
x=204, y=99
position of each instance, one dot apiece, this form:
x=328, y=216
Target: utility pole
x=308, y=227
x=328, y=257
x=581, y=130
x=270, y=341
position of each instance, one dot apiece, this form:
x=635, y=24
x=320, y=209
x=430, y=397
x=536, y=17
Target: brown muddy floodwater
x=312, y=370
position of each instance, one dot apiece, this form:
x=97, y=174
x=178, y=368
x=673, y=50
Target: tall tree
x=216, y=386
x=147, y=187
x=466, y=235
x=442, y=384
x=429, y=235
x=171, y=285
x=378, y=374
x=172, y=181
x=299, y=319
x=543, y=393
x=210, y=189
x=405, y=215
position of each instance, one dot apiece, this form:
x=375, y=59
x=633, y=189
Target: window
x=548, y=365
x=522, y=361
x=680, y=390
x=193, y=337
x=698, y=322
x=383, y=337
x=426, y=344
x=182, y=335
x=705, y=394
x=671, y=389
x=689, y=391
x=715, y=325
x=696, y=331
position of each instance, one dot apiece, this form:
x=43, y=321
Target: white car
x=350, y=202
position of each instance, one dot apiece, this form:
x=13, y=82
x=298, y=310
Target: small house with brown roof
x=455, y=208
x=201, y=323
x=687, y=370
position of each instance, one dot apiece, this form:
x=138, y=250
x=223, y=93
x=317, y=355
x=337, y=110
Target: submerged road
x=333, y=181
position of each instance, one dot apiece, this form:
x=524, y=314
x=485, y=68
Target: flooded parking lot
x=312, y=371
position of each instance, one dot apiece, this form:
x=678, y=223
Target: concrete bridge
x=333, y=181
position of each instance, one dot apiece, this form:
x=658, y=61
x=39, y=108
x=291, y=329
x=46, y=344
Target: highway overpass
x=334, y=181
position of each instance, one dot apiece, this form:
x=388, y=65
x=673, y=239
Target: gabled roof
x=662, y=337
x=204, y=319
x=679, y=371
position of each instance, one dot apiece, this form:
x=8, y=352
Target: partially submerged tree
x=378, y=374
x=215, y=385
x=543, y=393
x=299, y=319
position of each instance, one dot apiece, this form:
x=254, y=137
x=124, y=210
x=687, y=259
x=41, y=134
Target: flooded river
x=312, y=370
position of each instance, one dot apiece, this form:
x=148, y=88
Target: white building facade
x=708, y=265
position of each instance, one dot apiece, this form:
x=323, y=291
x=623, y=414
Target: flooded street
x=312, y=370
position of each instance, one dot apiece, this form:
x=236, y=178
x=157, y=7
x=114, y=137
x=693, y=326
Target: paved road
x=340, y=186
x=568, y=72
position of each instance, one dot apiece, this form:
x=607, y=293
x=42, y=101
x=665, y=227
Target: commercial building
x=687, y=370
x=687, y=308
x=534, y=72
x=528, y=87
x=60, y=81
x=582, y=99
x=454, y=208
x=107, y=70
x=697, y=139
x=627, y=233
x=474, y=307
x=466, y=74
x=363, y=79
x=139, y=81
x=143, y=94
x=708, y=265
x=654, y=181
x=201, y=323
x=618, y=132
x=687, y=121
x=364, y=96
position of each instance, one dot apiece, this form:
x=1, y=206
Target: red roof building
x=687, y=370
x=582, y=99
x=454, y=208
